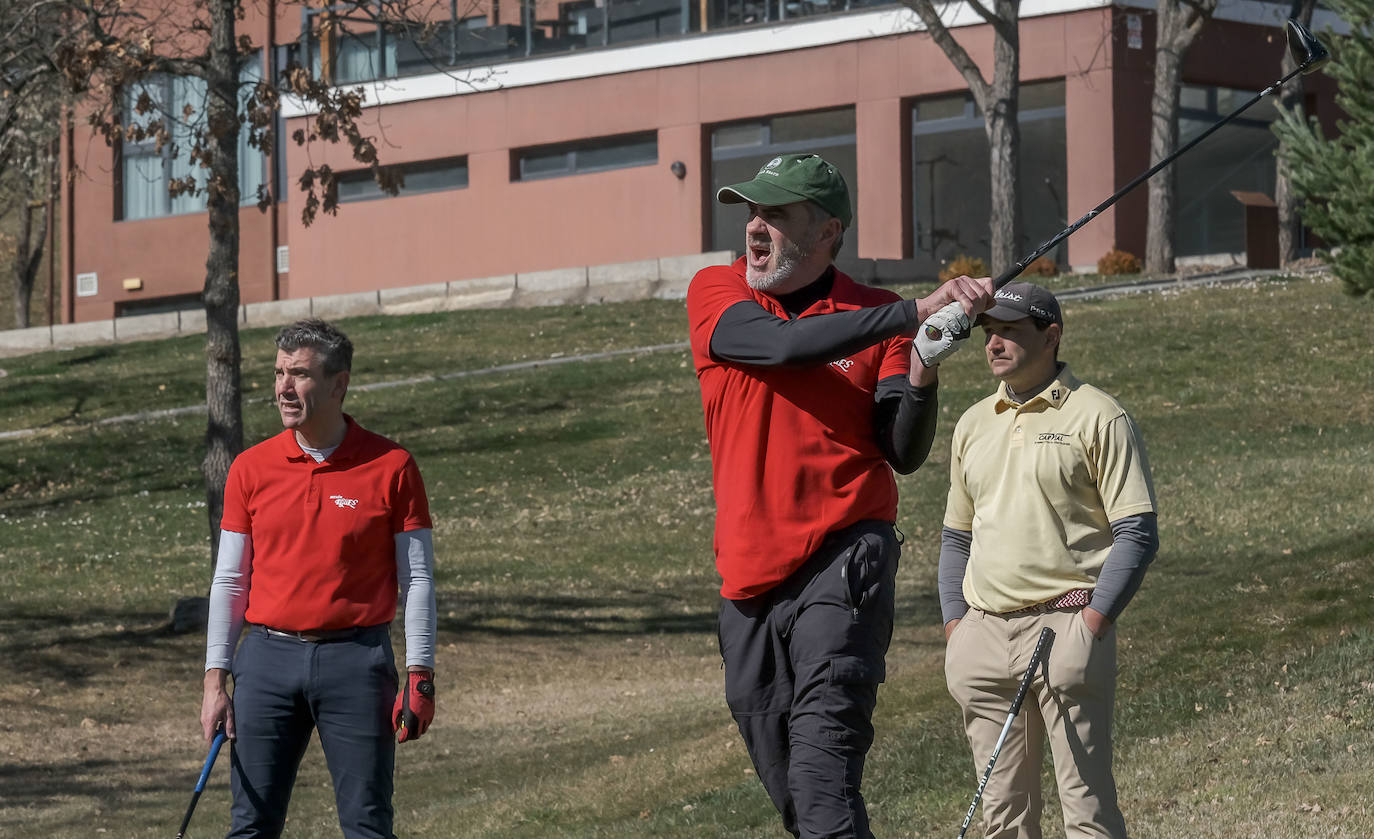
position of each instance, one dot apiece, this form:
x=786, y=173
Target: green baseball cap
x=790, y=178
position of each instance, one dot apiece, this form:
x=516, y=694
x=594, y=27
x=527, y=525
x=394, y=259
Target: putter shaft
x=1042, y=650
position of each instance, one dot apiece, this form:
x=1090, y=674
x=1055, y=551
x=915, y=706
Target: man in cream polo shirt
x=1050, y=522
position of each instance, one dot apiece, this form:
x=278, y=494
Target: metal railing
x=352, y=42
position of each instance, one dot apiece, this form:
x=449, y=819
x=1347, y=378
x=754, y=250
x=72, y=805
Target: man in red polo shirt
x=812, y=398
x=323, y=525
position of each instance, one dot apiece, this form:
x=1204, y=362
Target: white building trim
x=780, y=36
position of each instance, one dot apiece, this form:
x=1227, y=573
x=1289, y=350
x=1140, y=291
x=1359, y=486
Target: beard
x=789, y=255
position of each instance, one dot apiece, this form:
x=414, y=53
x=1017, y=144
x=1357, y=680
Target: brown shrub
x=964, y=265
x=1115, y=262
x=1042, y=267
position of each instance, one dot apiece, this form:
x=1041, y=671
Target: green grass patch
x=580, y=688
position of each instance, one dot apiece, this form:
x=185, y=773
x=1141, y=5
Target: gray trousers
x=802, y=667
x=284, y=689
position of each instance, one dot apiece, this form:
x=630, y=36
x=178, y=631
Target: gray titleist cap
x=1015, y=301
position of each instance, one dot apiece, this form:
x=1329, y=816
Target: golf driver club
x=200, y=785
x=1308, y=54
x=1042, y=651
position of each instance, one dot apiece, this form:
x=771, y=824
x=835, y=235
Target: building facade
x=547, y=135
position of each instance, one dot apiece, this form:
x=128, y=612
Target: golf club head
x=1308, y=53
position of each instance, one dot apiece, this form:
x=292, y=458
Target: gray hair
x=334, y=348
x=819, y=216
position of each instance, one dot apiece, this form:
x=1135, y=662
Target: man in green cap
x=814, y=392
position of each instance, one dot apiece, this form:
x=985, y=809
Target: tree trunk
x=1004, y=144
x=28, y=246
x=1290, y=99
x=223, y=392
x=1176, y=29
x=23, y=292
x=998, y=102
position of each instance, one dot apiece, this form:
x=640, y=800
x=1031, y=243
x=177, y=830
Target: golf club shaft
x=200, y=784
x=1015, y=271
x=1042, y=649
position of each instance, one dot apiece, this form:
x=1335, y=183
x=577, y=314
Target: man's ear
x=340, y=388
x=834, y=228
x=1053, y=333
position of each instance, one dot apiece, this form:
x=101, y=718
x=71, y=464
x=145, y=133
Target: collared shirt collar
x=346, y=449
x=1053, y=394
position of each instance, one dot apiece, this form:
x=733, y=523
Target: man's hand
x=414, y=709
x=215, y=708
x=974, y=294
x=949, y=628
x=942, y=334
x=1097, y=622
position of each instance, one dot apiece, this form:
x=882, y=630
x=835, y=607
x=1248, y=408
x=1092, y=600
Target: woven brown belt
x=1075, y=599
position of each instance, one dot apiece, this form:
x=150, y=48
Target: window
x=158, y=305
x=738, y=149
x=951, y=189
x=586, y=156
x=147, y=172
x=1239, y=156
x=425, y=176
x=362, y=56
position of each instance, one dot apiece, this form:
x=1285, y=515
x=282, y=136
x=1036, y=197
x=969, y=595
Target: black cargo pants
x=802, y=667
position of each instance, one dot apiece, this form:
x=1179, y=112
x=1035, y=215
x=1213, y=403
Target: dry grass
x=580, y=687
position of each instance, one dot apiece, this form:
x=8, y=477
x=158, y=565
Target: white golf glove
x=942, y=334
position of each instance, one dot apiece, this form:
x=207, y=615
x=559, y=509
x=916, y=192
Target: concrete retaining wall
x=665, y=279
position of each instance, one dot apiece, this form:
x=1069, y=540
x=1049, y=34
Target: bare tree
x=111, y=47
x=997, y=99
x=1176, y=28
x=1290, y=99
x=30, y=118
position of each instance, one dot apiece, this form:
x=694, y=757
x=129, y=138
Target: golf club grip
x=210, y=760
x=200, y=784
x=1042, y=649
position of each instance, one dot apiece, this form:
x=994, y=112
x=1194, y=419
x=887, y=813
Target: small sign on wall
x=87, y=285
x=283, y=259
x=1134, y=37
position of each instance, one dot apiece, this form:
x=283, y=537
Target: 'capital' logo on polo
x=340, y=501
x=1052, y=438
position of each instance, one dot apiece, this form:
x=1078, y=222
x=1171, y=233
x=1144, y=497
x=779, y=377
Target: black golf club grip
x=1042, y=649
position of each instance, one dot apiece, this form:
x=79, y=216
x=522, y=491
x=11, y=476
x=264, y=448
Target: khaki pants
x=984, y=663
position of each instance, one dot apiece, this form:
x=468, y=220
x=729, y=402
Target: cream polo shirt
x=1038, y=485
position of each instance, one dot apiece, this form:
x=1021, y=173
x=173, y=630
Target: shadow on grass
x=623, y=613
x=1225, y=636
x=74, y=650
x=114, y=789
x=568, y=615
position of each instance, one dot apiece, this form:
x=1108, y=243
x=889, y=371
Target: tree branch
x=957, y=55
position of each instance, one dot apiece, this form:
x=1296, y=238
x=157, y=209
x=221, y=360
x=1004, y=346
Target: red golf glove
x=414, y=709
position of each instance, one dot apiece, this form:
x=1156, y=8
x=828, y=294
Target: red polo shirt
x=324, y=554
x=793, y=454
